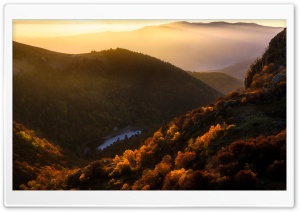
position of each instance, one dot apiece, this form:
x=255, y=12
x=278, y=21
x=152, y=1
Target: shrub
x=129, y=155
x=245, y=180
x=150, y=180
x=212, y=134
x=125, y=187
x=123, y=167
x=195, y=180
x=244, y=100
x=172, y=178
x=277, y=170
x=145, y=157
x=184, y=160
x=164, y=166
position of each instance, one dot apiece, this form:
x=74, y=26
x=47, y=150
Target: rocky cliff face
x=270, y=69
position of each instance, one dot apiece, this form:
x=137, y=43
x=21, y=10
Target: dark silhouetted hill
x=72, y=99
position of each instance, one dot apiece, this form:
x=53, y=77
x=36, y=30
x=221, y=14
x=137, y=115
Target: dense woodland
x=74, y=99
x=238, y=142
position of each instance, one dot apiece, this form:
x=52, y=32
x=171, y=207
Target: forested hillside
x=236, y=143
x=37, y=159
x=73, y=99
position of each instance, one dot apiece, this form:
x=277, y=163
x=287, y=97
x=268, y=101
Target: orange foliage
x=82, y=178
x=158, y=135
x=277, y=170
x=244, y=100
x=151, y=179
x=122, y=167
x=49, y=178
x=213, y=133
x=144, y=156
x=245, y=179
x=244, y=160
x=172, y=179
x=125, y=187
x=146, y=187
x=164, y=166
x=173, y=132
x=195, y=180
x=184, y=160
x=148, y=180
x=129, y=155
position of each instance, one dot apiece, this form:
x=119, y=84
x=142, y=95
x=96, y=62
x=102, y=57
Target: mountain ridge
x=219, y=81
x=217, y=23
x=192, y=49
x=237, y=70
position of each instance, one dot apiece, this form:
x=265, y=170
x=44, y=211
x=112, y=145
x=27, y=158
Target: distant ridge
x=218, y=23
x=190, y=46
x=215, y=23
x=222, y=82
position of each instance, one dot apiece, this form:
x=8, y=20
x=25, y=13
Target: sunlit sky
x=56, y=28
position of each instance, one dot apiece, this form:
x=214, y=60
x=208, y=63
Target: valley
x=83, y=98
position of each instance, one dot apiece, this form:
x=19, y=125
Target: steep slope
x=73, y=99
x=237, y=143
x=38, y=163
x=219, y=81
x=190, y=46
x=271, y=67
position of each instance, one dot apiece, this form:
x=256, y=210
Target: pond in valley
x=118, y=137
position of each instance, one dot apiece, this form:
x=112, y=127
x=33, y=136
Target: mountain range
x=190, y=46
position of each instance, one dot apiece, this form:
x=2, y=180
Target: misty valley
x=199, y=107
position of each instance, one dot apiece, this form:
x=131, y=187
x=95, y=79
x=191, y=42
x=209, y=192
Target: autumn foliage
x=37, y=163
x=236, y=143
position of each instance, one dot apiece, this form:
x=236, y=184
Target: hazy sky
x=56, y=28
